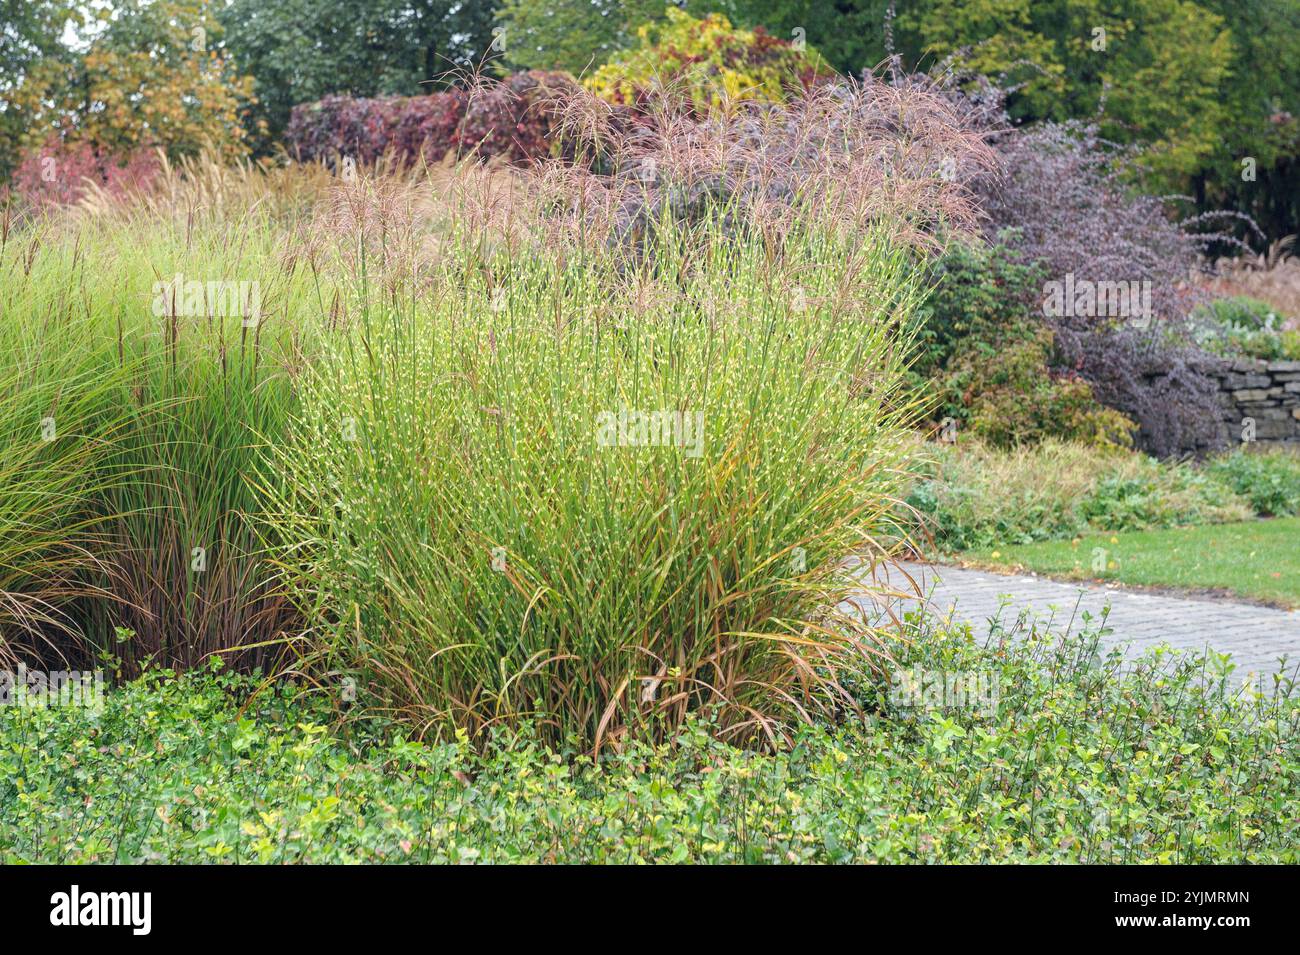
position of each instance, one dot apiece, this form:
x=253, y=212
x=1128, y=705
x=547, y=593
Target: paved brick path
x=1255, y=636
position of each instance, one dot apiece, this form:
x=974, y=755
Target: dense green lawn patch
x=1256, y=559
x=1031, y=748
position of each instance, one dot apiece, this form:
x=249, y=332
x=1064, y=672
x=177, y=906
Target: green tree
x=850, y=34
x=301, y=50
x=1255, y=166
x=1151, y=69
x=995, y=38
x=573, y=35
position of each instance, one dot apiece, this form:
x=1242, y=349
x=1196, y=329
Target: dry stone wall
x=1260, y=401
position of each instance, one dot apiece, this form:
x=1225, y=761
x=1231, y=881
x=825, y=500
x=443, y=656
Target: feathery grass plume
x=848, y=153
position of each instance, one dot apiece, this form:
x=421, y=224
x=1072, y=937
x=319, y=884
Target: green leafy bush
x=1066, y=757
x=1241, y=313
x=977, y=293
x=1270, y=480
x=1155, y=495
x=1014, y=397
x=1242, y=326
x=989, y=356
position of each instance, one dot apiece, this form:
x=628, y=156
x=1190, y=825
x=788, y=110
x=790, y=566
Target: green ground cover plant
x=1256, y=559
x=1069, y=758
x=1269, y=480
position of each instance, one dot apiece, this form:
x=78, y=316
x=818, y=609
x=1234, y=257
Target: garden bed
x=1033, y=748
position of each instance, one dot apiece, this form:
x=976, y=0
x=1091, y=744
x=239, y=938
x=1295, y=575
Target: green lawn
x=1255, y=559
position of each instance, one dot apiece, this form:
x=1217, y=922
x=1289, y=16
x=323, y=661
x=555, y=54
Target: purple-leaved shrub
x=1064, y=192
x=1066, y=200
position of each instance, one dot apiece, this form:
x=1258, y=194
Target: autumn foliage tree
x=708, y=61
x=152, y=74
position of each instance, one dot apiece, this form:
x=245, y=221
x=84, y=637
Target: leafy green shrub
x=990, y=358
x=1238, y=325
x=1270, y=480
x=1014, y=397
x=1269, y=345
x=978, y=292
x=1154, y=495
x=1241, y=313
x=1075, y=760
x=707, y=62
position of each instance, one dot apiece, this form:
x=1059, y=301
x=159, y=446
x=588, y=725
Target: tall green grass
x=406, y=469
x=467, y=543
x=137, y=517
x=51, y=443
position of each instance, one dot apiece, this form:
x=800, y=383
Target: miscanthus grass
x=596, y=494
x=134, y=408
x=473, y=468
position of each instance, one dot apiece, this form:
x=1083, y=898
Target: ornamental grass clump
x=547, y=490
x=146, y=356
x=548, y=474
x=476, y=456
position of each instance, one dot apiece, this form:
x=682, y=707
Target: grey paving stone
x=1255, y=636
